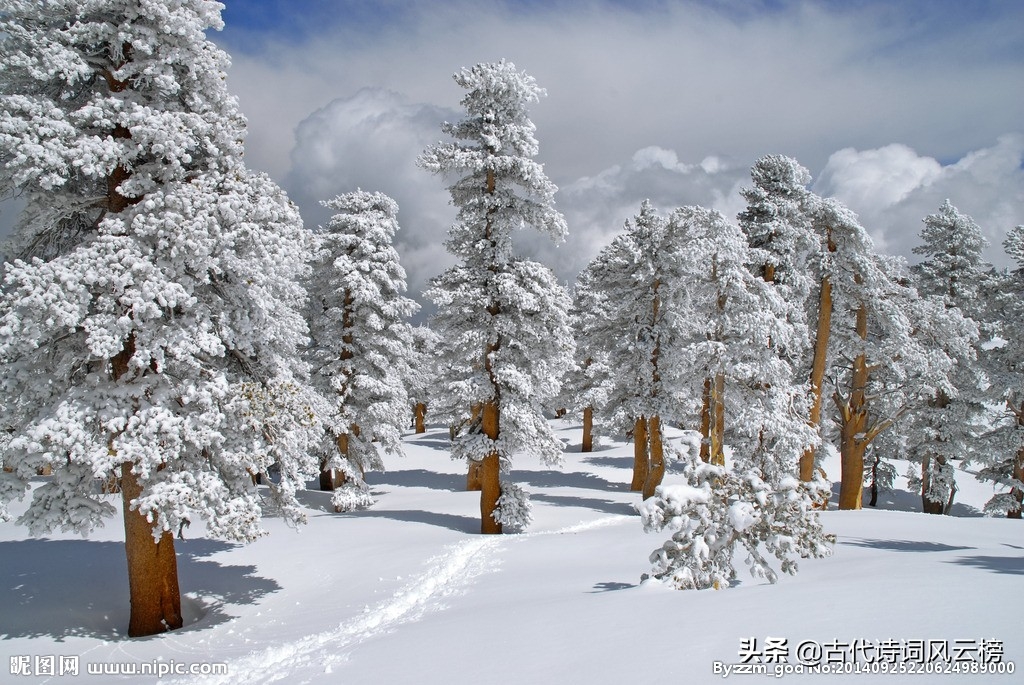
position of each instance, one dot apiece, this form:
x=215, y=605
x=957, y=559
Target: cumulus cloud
x=893, y=188
x=371, y=141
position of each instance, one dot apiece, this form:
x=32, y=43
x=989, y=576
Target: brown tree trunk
x=421, y=416
x=854, y=435
x=152, y=568
x=821, y=338
x=657, y=449
x=641, y=455
x=717, y=415
x=1017, y=492
x=588, y=430
x=490, y=473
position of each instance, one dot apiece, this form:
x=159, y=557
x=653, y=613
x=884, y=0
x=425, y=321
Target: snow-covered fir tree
x=743, y=386
x=945, y=428
x=585, y=385
x=503, y=321
x=889, y=348
x=787, y=246
x=361, y=341
x=1004, y=465
x=422, y=372
x=635, y=287
x=150, y=325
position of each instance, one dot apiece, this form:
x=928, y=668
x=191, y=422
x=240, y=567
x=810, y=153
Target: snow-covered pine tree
x=422, y=373
x=1004, y=465
x=503, y=321
x=946, y=428
x=149, y=327
x=889, y=348
x=585, y=385
x=637, y=284
x=361, y=341
x=740, y=333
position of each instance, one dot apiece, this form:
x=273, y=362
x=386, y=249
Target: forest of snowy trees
x=170, y=331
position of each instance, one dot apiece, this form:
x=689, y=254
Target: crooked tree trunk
x=641, y=455
x=588, y=430
x=657, y=452
x=853, y=432
x=821, y=338
x=420, y=413
x=490, y=472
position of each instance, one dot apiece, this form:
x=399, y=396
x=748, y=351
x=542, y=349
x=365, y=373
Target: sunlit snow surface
x=407, y=592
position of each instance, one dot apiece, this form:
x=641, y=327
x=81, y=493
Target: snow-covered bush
x=720, y=512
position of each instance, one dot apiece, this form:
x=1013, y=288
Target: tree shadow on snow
x=419, y=478
x=1011, y=565
x=603, y=505
x=902, y=545
x=611, y=586
x=462, y=524
x=625, y=463
x=566, y=479
x=79, y=588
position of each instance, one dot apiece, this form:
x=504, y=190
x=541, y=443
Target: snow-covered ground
x=407, y=592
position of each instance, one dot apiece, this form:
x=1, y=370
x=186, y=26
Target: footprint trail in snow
x=446, y=575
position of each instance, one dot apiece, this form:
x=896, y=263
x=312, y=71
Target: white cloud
x=893, y=188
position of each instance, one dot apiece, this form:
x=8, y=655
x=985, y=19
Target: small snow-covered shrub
x=514, y=508
x=718, y=511
x=354, y=494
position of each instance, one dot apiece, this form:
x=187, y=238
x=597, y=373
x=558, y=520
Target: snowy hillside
x=407, y=592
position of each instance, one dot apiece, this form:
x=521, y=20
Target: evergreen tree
x=1004, y=465
x=422, y=373
x=946, y=428
x=636, y=286
x=503, y=321
x=154, y=288
x=738, y=342
x=361, y=342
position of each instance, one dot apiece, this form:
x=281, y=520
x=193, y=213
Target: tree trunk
x=1017, y=492
x=152, y=568
x=874, y=481
x=821, y=339
x=717, y=416
x=854, y=437
x=657, y=449
x=490, y=473
x=641, y=455
x=421, y=416
x=929, y=506
x=588, y=430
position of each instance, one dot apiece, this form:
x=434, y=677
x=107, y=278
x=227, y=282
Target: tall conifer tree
x=503, y=321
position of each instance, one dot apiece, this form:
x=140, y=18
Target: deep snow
x=407, y=592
